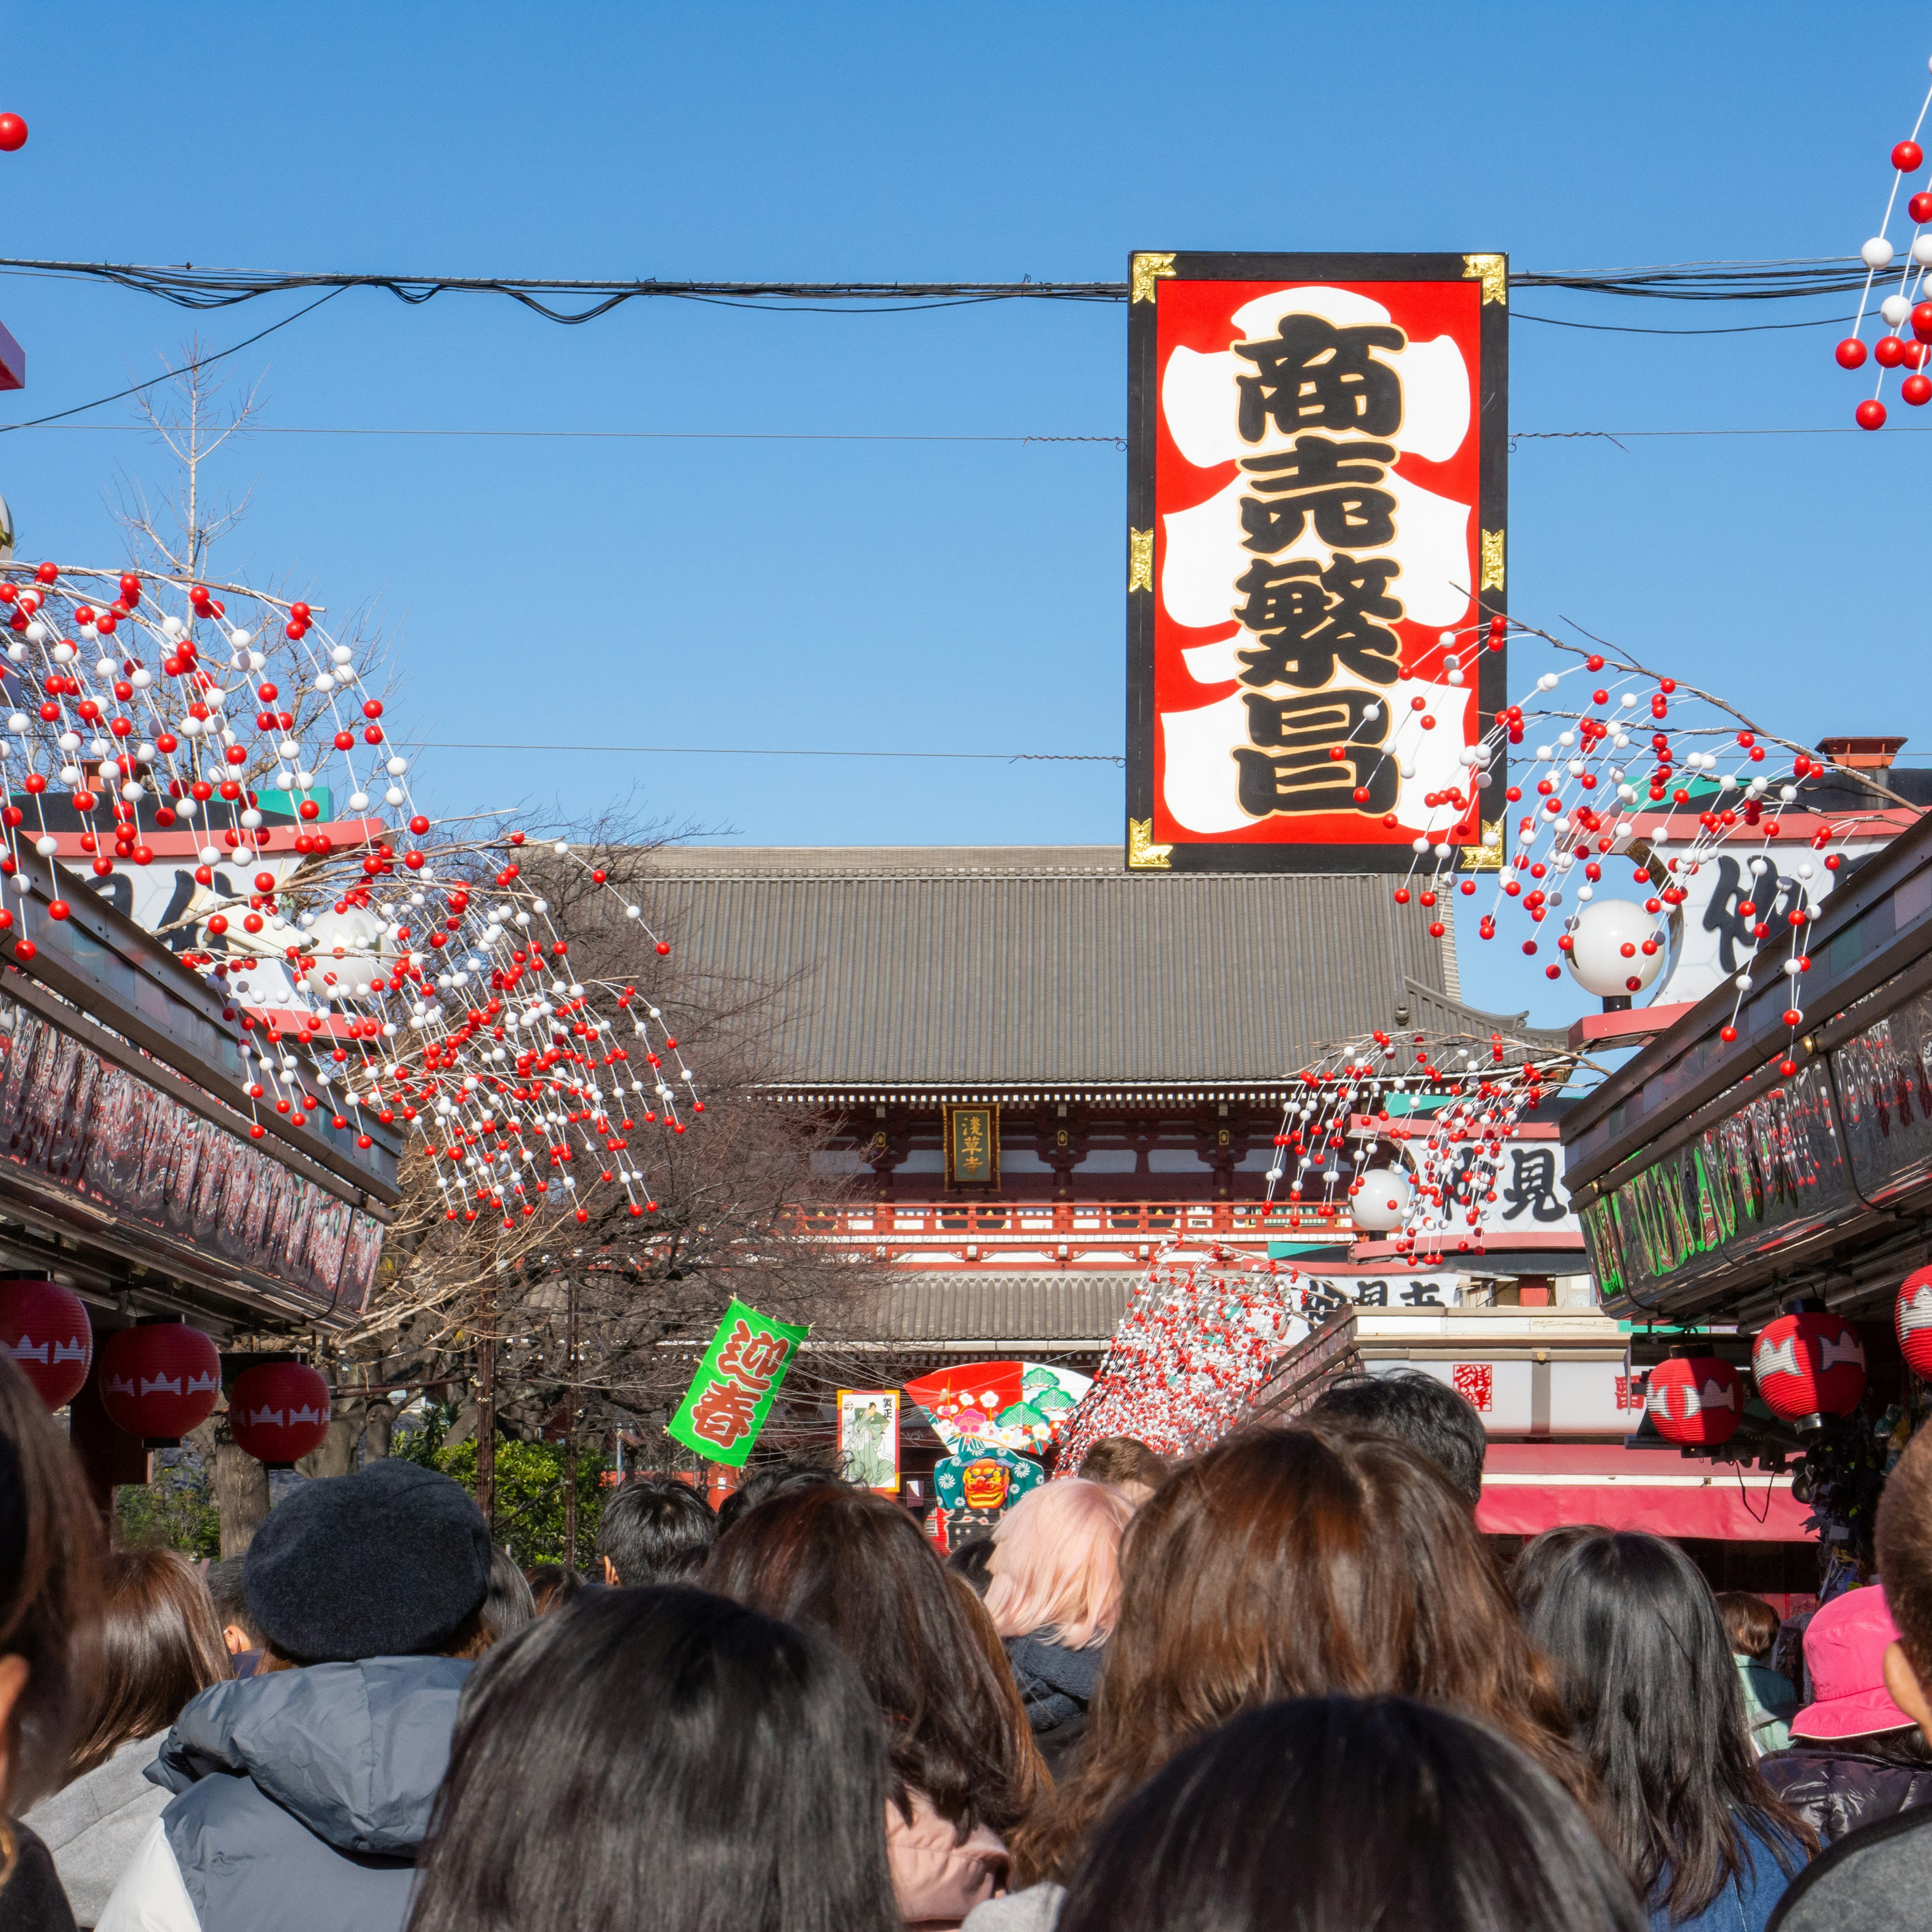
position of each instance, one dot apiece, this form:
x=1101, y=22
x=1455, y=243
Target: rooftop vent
x=1861, y=755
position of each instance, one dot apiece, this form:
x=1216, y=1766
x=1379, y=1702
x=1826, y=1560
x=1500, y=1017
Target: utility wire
x=783, y=751
x=1117, y=442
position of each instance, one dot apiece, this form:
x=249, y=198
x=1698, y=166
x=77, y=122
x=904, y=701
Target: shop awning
x=1529, y=1487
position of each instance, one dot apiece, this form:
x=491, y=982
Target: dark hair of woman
x=1656, y=1707
x=1750, y=1624
x=1540, y=1556
x=509, y=1603
x=1328, y=1814
x=660, y=1757
x=552, y=1586
x=1297, y=1563
x=160, y=1645
x=854, y=1565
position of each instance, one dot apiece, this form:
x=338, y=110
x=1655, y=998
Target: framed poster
x=1317, y=493
x=868, y=1437
x=973, y=1146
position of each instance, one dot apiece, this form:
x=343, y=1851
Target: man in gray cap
x=303, y=1793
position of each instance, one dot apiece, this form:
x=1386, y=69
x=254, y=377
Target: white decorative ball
x=1876, y=253
x=1895, y=309
x=1607, y=951
x=1383, y=1204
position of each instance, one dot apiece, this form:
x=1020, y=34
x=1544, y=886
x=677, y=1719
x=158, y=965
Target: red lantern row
x=280, y=1412
x=160, y=1381
x=1807, y=1366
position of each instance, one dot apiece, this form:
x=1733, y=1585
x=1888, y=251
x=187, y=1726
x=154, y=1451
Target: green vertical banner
x=730, y=1396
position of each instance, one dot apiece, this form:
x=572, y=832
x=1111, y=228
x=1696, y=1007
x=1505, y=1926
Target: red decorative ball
x=1907, y=156
x=159, y=1381
x=44, y=1327
x=279, y=1412
x=1869, y=414
x=1913, y=1317
x=12, y=134
x=1888, y=352
x=1851, y=353
x=1808, y=1366
x=1696, y=1400
x=1921, y=322
x=1916, y=390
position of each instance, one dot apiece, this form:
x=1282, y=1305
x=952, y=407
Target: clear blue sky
x=949, y=596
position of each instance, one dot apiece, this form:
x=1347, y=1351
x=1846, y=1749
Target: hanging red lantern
x=159, y=1381
x=1913, y=1316
x=1697, y=1400
x=1809, y=1366
x=44, y=1327
x=279, y=1412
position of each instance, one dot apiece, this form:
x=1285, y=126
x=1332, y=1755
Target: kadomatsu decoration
x=725, y=1407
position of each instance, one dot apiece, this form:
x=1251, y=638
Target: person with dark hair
x=964, y=1770
x=1289, y=1563
x=1855, y=1757
x=553, y=1586
x=509, y=1603
x=1327, y=1814
x=301, y=1794
x=775, y=1479
x=1539, y=1557
x=223, y=1580
x=1656, y=1707
x=1752, y=1626
x=972, y=1561
x=1415, y=1408
x=50, y=1538
x=661, y=1757
x=160, y=1646
x=1126, y=1463
x=655, y=1530
x=1880, y=1875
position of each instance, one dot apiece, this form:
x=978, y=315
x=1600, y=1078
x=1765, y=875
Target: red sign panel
x=1317, y=548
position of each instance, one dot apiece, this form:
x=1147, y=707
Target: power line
x=787, y=751
x=1117, y=442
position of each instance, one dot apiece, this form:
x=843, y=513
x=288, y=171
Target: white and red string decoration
x=1906, y=343
x=430, y=984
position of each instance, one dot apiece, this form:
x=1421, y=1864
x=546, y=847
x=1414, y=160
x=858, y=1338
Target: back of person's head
x=160, y=1645
x=225, y=1592
x=775, y=1479
x=1656, y=1707
x=972, y=1561
x=1124, y=1463
x=50, y=1540
x=660, y=1757
x=553, y=1586
x=1056, y=1564
x=1330, y=1814
x=1540, y=1556
x=854, y=1566
x=1750, y=1624
x=1903, y=1541
x=655, y=1530
x=507, y=1604
x=391, y=1561
x=1416, y=1408
x=1297, y=1563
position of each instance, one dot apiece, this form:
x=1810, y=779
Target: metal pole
x=570, y=1437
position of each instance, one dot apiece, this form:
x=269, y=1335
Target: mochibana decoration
x=1809, y=1365
x=160, y=1380
x=44, y=1327
x=279, y=1412
x=427, y=982
x=1697, y=1401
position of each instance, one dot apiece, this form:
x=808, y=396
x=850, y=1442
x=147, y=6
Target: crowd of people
x=1284, y=1683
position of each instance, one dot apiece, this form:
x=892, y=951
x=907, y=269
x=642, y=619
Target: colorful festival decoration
x=975, y=1489
x=869, y=1439
x=1906, y=343
x=160, y=1380
x=1022, y=1406
x=278, y=1412
x=1913, y=1317
x=1696, y=1401
x=1809, y=1365
x=221, y=760
x=44, y=1327
x=725, y=1407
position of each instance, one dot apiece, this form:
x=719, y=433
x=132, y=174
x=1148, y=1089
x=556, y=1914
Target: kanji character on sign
x=1314, y=480
x=726, y=1413
x=1310, y=618
x=1315, y=376
x=1533, y=1186
x=752, y=1358
x=1475, y=1383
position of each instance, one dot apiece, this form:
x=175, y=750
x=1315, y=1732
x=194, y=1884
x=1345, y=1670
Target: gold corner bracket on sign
x=1488, y=856
x=1142, y=853
x=1493, y=560
x=1149, y=269
x=1492, y=271
x=1140, y=560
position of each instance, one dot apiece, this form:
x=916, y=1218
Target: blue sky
x=937, y=595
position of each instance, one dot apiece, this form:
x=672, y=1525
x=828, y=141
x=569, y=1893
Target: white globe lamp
x=1383, y=1204
x=1616, y=949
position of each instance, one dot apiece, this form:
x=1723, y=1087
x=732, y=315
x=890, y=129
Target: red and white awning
x=1529, y=1487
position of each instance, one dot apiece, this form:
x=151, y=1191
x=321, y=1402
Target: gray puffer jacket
x=300, y=1799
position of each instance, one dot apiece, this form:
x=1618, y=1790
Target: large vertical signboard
x=1317, y=545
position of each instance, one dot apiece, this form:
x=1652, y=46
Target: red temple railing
x=880, y=1219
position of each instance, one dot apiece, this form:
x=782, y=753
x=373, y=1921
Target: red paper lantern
x=1809, y=1366
x=279, y=1412
x=159, y=1381
x=44, y=1327
x=1696, y=1400
x=1913, y=1317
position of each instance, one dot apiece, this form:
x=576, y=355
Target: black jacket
x=1056, y=1684
x=1837, y=1784
x=1875, y=1881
